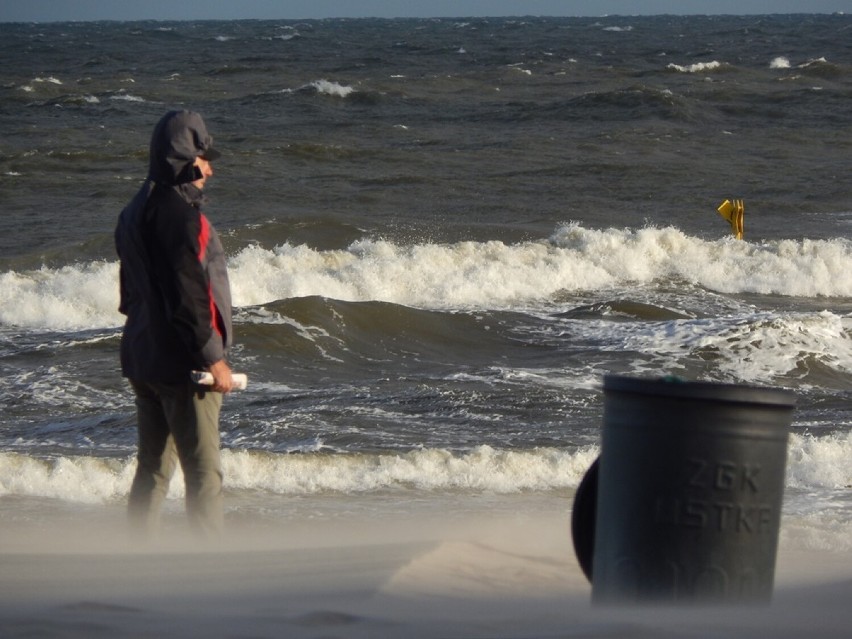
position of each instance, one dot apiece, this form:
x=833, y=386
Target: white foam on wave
x=93, y=480
x=816, y=504
x=698, y=67
x=68, y=298
x=463, y=275
x=780, y=62
x=751, y=347
x=819, y=464
x=88, y=480
x=127, y=97
x=803, y=268
x=48, y=80
x=482, y=469
x=494, y=274
x=30, y=88
x=813, y=62
x=331, y=88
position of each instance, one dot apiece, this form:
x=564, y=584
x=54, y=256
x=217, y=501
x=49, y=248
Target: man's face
x=206, y=171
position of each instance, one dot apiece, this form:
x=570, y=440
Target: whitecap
x=463, y=275
x=69, y=298
x=814, y=463
x=127, y=97
x=698, y=67
x=812, y=62
x=331, y=88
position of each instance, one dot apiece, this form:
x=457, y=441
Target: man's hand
x=222, y=382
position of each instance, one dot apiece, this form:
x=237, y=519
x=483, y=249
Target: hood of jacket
x=179, y=138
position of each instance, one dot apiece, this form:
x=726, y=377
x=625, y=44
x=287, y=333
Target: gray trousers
x=177, y=422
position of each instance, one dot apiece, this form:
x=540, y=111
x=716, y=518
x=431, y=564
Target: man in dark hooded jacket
x=176, y=296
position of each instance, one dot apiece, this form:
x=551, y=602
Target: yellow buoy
x=734, y=212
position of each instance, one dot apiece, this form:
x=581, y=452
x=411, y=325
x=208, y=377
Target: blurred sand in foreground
x=477, y=577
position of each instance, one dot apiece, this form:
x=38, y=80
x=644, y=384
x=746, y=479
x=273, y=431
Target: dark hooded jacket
x=174, y=282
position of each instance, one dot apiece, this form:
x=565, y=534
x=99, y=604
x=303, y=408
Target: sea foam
x=698, y=67
x=462, y=275
x=749, y=347
x=813, y=463
x=330, y=88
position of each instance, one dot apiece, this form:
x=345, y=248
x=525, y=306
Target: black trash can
x=689, y=491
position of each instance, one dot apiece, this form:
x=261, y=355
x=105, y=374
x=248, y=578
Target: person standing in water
x=176, y=296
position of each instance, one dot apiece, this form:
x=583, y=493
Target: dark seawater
x=442, y=235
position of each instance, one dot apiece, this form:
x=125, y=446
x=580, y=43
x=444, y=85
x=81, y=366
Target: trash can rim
x=715, y=391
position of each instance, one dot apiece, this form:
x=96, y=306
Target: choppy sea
x=442, y=234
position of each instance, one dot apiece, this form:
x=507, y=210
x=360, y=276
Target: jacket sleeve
x=184, y=237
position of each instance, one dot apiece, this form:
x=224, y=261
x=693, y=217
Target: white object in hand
x=240, y=380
